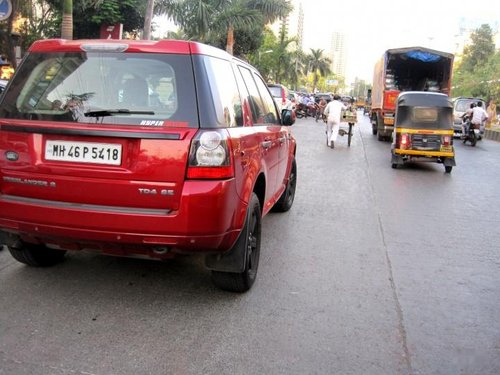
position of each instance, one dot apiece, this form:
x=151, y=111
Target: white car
x=281, y=96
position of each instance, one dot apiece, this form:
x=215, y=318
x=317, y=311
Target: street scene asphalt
x=374, y=270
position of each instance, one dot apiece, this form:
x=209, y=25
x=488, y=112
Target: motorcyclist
x=466, y=120
x=479, y=117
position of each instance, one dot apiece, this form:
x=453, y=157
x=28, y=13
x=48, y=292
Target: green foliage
x=483, y=82
x=318, y=65
x=480, y=50
x=209, y=20
x=478, y=72
x=41, y=22
x=89, y=14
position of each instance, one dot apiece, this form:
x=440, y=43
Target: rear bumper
x=400, y=156
x=209, y=219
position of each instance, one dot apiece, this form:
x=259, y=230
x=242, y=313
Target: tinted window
x=257, y=106
x=225, y=94
x=91, y=87
x=267, y=100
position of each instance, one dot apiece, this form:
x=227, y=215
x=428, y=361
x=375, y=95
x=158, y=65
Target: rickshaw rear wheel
x=394, y=165
x=448, y=168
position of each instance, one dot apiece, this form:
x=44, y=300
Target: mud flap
x=397, y=159
x=10, y=239
x=449, y=162
x=230, y=261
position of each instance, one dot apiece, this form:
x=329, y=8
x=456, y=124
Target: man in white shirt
x=479, y=116
x=333, y=111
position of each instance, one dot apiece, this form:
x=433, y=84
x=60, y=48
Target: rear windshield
x=104, y=88
x=275, y=91
x=462, y=105
x=422, y=117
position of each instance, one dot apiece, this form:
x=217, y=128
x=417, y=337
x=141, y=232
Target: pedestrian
x=333, y=111
x=492, y=114
x=321, y=108
x=479, y=117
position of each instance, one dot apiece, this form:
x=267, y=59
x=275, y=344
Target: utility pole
x=148, y=18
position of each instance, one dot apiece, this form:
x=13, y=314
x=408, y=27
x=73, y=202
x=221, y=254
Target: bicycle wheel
x=349, y=135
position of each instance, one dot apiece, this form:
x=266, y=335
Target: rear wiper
x=112, y=112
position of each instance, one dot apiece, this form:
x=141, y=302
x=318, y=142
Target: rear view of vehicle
x=405, y=69
x=423, y=130
x=139, y=149
x=460, y=106
x=281, y=96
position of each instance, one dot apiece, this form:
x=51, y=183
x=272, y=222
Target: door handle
x=266, y=144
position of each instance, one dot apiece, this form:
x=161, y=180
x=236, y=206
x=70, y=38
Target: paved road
x=373, y=271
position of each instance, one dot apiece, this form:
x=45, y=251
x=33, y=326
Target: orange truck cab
x=405, y=69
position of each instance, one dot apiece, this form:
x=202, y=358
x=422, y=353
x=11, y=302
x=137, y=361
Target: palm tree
x=200, y=19
x=318, y=65
x=146, y=34
x=67, y=20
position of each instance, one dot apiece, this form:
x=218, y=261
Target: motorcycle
x=471, y=133
x=301, y=110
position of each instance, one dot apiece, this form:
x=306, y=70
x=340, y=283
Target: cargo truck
x=405, y=69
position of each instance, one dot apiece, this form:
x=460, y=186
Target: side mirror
x=287, y=117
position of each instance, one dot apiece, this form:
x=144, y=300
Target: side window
x=225, y=92
x=246, y=110
x=258, y=108
x=267, y=100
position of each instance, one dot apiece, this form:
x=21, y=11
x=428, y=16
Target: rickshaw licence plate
x=83, y=152
x=445, y=149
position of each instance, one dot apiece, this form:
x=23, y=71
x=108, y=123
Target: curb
x=493, y=134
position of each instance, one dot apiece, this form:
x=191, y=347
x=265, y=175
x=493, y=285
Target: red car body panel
x=146, y=201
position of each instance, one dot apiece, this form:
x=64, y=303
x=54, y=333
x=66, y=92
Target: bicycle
x=342, y=131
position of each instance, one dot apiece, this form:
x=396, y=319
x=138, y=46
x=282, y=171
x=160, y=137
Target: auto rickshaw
x=423, y=129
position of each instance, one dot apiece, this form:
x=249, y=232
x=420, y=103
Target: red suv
x=140, y=148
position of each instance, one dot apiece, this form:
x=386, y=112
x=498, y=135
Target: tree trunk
x=67, y=20
x=146, y=33
x=315, y=81
x=11, y=55
x=230, y=40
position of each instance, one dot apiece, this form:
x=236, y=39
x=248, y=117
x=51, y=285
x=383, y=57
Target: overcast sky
x=373, y=26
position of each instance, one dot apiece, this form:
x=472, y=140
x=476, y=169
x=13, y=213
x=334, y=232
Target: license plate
x=83, y=152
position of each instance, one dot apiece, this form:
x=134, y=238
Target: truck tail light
x=210, y=157
x=283, y=97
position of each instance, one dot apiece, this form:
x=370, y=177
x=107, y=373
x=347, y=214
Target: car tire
x=249, y=239
x=36, y=255
x=285, y=202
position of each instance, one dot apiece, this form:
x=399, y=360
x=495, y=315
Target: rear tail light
x=210, y=156
x=283, y=97
x=405, y=142
x=446, y=140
